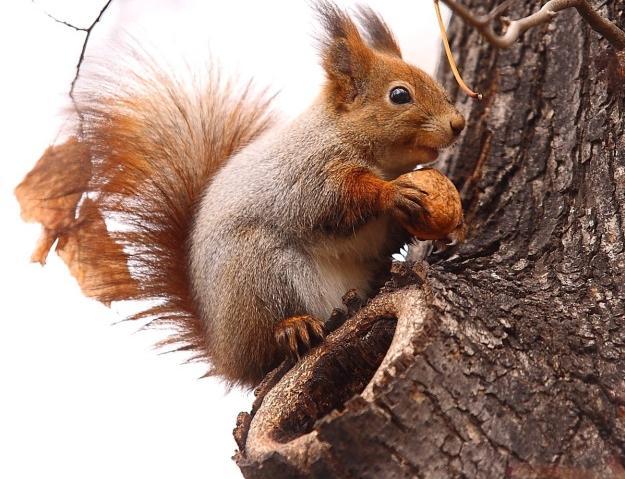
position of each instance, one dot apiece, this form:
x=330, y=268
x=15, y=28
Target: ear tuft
x=345, y=56
x=379, y=35
x=336, y=22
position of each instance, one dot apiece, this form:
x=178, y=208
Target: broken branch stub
x=279, y=437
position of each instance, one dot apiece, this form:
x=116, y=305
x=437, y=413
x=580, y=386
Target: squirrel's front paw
x=297, y=334
x=409, y=202
x=428, y=205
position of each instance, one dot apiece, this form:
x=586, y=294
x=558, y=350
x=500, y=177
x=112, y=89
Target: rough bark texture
x=509, y=358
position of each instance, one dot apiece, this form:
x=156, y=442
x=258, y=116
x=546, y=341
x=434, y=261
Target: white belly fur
x=343, y=264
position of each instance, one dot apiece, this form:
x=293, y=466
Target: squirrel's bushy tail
x=119, y=195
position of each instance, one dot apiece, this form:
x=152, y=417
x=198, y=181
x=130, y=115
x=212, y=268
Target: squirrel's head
x=397, y=111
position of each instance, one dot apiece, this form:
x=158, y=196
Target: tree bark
x=509, y=354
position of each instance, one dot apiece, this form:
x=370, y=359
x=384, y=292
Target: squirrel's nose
x=457, y=123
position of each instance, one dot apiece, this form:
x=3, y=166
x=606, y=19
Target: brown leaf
x=52, y=194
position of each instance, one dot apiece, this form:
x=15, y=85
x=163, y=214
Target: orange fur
x=361, y=69
x=297, y=334
x=363, y=195
x=345, y=57
x=156, y=198
x=145, y=147
x=148, y=150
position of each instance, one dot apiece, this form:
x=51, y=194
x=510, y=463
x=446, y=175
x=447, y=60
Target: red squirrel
x=245, y=234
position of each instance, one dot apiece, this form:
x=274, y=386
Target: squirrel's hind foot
x=298, y=334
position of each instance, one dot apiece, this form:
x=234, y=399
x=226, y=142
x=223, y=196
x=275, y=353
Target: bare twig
x=84, y=47
x=484, y=23
x=88, y=31
x=601, y=25
x=450, y=56
x=63, y=22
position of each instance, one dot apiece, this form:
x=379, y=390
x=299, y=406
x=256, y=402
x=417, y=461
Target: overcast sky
x=81, y=397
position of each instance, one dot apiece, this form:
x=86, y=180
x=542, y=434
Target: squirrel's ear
x=378, y=34
x=345, y=56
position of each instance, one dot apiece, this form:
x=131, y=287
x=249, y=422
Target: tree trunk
x=509, y=354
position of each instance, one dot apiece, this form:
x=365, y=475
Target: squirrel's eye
x=399, y=95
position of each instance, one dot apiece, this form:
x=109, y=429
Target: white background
x=79, y=396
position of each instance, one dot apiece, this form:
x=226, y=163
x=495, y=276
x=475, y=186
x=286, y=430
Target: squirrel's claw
x=452, y=239
x=297, y=334
x=409, y=203
x=410, y=206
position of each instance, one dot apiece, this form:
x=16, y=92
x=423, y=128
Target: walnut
x=442, y=200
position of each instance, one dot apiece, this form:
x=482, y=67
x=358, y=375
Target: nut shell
x=446, y=219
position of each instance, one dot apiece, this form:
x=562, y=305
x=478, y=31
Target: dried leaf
x=51, y=191
x=52, y=194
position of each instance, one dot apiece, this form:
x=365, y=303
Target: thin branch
x=601, y=25
x=63, y=22
x=84, y=47
x=484, y=23
x=450, y=56
x=88, y=31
